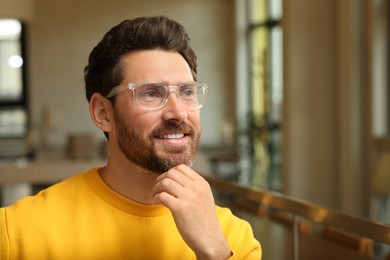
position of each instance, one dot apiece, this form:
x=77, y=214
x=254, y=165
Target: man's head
x=133, y=53
x=104, y=70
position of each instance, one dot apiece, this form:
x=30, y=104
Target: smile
x=172, y=136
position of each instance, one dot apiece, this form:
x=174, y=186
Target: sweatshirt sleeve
x=240, y=236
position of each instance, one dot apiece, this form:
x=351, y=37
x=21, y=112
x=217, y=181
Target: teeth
x=172, y=136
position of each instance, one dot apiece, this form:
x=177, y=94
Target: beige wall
x=20, y=9
x=310, y=130
x=325, y=114
x=61, y=35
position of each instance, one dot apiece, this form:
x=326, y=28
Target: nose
x=173, y=109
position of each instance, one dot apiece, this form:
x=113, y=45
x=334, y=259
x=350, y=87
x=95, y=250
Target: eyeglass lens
x=154, y=95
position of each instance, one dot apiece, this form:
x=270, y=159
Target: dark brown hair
x=104, y=70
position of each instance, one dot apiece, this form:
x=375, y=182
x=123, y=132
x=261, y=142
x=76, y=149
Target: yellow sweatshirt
x=82, y=218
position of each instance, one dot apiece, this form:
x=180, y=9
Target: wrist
x=215, y=255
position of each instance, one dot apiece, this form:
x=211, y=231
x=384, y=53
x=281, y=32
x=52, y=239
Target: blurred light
x=15, y=61
x=9, y=28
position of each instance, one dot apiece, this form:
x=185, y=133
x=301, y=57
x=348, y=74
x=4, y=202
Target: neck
x=129, y=180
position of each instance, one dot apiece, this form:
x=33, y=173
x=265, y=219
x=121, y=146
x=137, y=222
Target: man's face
x=156, y=140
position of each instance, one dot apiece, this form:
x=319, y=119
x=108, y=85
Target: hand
x=188, y=195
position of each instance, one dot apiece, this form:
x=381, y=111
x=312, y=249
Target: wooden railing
x=300, y=209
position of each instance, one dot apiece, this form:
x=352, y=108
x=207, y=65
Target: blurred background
x=298, y=100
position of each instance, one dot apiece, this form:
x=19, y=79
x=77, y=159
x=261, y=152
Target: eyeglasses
x=154, y=95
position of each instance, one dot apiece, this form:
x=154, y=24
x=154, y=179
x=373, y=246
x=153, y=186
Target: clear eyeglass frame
x=181, y=90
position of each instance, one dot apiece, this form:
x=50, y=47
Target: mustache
x=172, y=126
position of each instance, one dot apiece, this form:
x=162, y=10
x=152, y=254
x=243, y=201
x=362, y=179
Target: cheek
x=145, y=123
x=140, y=120
x=194, y=120
x=194, y=117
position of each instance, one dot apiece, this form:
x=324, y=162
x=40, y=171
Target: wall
x=324, y=124
x=62, y=34
x=20, y=9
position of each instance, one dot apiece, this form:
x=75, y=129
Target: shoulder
x=49, y=209
x=54, y=197
x=228, y=219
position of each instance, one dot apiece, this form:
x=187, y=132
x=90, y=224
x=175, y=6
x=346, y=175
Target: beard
x=142, y=151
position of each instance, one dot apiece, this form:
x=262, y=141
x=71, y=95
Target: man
x=146, y=203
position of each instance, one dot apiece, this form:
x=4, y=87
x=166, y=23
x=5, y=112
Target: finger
x=169, y=186
x=177, y=175
x=166, y=199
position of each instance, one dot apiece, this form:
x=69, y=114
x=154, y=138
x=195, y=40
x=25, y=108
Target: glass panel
x=262, y=10
x=257, y=10
x=13, y=123
x=275, y=7
x=276, y=73
x=11, y=61
x=260, y=104
x=275, y=115
x=259, y=70
x=266, y=98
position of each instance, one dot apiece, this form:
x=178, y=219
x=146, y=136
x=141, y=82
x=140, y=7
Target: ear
x=100, y=109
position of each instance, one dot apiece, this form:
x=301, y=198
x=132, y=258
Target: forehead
x=156, y=65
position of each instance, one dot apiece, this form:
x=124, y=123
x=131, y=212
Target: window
x=13, y=96
x=266, y=90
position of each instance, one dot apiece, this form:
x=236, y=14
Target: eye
x=150, y=92
x=188, y=92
